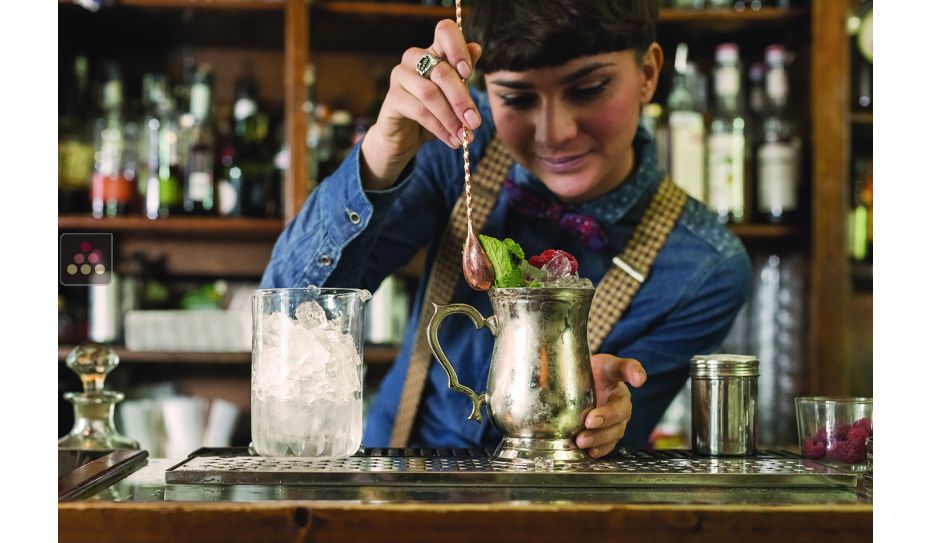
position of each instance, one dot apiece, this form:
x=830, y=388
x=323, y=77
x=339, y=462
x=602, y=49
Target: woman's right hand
x=417, y=109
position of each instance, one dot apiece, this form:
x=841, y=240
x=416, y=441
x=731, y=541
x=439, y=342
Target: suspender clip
x=629, y=270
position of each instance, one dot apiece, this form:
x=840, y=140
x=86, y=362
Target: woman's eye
x=590, y=91
x=518, y=101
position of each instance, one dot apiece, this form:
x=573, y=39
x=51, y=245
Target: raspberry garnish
x=540, y=260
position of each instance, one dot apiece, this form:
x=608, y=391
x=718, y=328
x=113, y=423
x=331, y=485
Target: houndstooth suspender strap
x=631, y=267
x=611, y=298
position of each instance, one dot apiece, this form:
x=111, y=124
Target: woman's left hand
x=606, y=423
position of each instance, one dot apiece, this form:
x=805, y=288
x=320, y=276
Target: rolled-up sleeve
x=311, y=246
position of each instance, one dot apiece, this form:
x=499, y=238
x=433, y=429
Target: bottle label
x=778, y=177
x=687, y=152
x=199, y=184
x=776, y=84
x=227, y=197
x=726, y=81
x=200, y=101
x=243, y=108
x=725, y=172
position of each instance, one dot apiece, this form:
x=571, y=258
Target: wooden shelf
x=730, y=15
x=766, y=231
x=375, y=355
x=390, y=9
x=397, y=9
x=201, y=4
x=187, y=226
x=861, y=118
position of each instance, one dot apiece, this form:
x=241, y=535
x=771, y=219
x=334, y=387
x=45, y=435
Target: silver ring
x=426, y=64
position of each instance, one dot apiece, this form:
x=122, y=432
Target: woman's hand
x=606, y=423
x=417, y=109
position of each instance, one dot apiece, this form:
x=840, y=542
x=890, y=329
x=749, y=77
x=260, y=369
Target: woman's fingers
x=449, y=42
x=413, y=108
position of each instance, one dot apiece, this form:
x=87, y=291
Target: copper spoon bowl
x=476, y=267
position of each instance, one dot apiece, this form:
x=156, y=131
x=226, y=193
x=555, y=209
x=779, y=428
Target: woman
x=565, y=81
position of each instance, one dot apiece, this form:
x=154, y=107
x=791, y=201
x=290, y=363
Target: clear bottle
x=859, y=27
x=154, y=93
x=199, y=181
x=726, y=143
x=113, y=185
x=686, y=129
x=75, y=142
x=653, y=120
x=254, y=155
x=170, y=170
x=778, y=156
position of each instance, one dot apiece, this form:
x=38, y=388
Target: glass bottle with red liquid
x=113, y=186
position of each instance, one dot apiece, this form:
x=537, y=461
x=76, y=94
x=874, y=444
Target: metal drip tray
x=470, y=467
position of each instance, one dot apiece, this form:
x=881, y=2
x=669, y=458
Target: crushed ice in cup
x=306, y=385
x=557, y=267
x=571, y=281
x=531, y=273
x=311, y=315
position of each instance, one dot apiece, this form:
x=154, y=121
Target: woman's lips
x=563, y=164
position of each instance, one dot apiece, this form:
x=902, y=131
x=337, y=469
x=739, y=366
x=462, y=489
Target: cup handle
x=432, y=333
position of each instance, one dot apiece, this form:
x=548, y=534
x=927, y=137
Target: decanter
x=93, y=409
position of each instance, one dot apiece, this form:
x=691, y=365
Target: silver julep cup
x=723, y=404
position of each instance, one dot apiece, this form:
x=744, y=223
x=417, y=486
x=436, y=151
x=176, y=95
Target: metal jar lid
x=715, y=366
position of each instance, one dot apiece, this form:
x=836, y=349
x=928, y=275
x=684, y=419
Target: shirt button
x=325, y=260
x=354, y=217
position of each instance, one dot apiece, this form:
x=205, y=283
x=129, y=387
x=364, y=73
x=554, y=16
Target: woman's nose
x=556, y=125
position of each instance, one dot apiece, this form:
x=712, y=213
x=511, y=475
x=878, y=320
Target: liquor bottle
x=314, y=127
x=860, y=217
x=228, y=173
x=113, y=185
x=686, y=129
x=198, y=186
x=653, y=120
x=859, y=26
x=253, y=153
x=75, y=142
x=170, y=170
x=778, y=157
x=154, y=92
x=726, y=144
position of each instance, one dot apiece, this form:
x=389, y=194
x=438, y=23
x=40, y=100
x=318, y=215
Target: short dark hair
x=520, y=35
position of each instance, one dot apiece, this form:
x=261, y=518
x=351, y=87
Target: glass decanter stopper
x=93, y=409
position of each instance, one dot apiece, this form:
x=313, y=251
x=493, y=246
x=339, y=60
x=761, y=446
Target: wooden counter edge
x=300, y=521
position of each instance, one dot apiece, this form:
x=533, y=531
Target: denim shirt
x=349, y=237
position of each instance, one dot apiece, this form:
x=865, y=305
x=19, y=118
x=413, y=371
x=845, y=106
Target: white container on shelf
x=194, y=330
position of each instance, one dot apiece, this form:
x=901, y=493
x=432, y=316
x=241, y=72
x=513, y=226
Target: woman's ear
x=652, y=67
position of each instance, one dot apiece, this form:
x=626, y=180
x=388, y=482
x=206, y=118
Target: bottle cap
x=775, y=54
x=727, y=52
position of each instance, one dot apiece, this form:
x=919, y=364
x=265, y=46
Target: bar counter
x=142, y=506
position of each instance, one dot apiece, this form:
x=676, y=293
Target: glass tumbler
x=834, y=429
x=307, y=348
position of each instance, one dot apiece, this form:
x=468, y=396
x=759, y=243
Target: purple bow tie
x=533, y=204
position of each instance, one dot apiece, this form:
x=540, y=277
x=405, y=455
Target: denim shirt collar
x=613, y=206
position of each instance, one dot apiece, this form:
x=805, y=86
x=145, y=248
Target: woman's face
x=573, y=125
